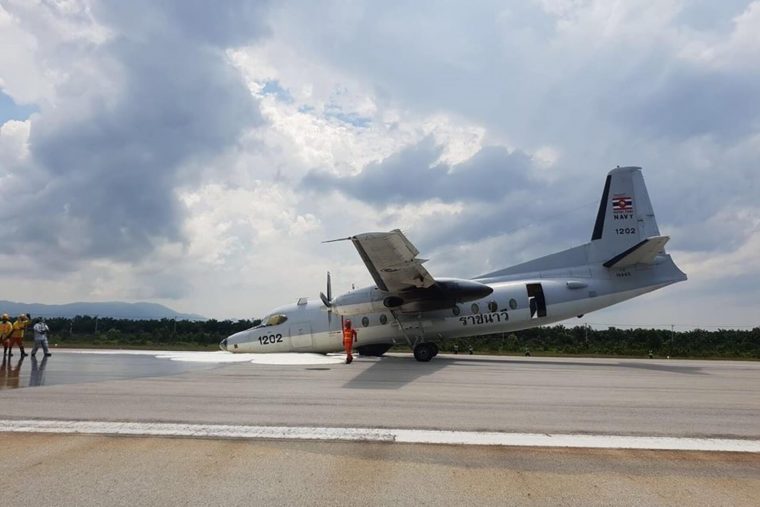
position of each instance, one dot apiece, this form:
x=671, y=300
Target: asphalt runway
x=657, y=398
x=472, y=393
x=76, y=368
x=86, y=470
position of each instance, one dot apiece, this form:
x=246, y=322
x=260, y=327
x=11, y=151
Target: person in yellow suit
x=17, y=335
x=6, y=328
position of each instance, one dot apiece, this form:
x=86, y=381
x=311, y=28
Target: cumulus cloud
x=414, y=174
x=131, y=112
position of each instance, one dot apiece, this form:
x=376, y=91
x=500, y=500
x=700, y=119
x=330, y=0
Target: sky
x=196, y=154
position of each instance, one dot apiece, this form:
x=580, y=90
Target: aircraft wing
x=392, y=261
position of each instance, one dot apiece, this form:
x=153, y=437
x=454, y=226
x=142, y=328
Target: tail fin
x=625, y=218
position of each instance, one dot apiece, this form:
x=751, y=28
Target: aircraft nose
x=223, y=344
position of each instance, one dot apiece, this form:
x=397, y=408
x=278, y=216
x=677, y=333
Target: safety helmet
x=5, y=316
x=22, y=317
x=347, y=323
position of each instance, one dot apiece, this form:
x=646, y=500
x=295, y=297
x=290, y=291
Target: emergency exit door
x=300, y=335
x=536, y=300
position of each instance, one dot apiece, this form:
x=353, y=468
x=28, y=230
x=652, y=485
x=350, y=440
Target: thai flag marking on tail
x=622, y=203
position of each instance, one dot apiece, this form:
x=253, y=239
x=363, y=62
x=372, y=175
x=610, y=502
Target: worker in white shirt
x=41, y=331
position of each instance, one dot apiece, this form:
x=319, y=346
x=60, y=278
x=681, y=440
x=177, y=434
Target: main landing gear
x=424, y=352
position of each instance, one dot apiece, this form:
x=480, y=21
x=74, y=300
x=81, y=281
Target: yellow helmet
x=22, y=317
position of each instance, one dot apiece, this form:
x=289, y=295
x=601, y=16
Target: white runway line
x=408, y=436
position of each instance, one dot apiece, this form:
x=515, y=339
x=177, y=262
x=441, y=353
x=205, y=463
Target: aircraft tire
x=435, y=349
x=424, y=352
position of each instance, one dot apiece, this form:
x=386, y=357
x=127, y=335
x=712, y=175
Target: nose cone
x=223, y=344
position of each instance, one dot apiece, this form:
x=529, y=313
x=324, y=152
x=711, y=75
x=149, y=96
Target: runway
x=469, y=395
x=713, y=399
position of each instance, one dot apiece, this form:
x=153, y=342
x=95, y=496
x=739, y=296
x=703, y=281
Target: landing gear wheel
x=424, y=352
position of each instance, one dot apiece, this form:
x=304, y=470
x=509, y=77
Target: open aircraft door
x=536, y=300
x=300, y=335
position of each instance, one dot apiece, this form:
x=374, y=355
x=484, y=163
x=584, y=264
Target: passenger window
x=492, y=306
x=383, y=319
x=456, y=311
x=475, y=308
x=513, y=304
x=365, y=321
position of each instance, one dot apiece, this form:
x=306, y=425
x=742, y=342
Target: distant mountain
x=114, y=309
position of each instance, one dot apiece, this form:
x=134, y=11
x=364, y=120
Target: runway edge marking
x=407, y=436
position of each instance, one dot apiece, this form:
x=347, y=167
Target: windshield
x=273, y=320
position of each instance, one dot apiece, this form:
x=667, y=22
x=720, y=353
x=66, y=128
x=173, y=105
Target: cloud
x=132, y=114
x=415, y=174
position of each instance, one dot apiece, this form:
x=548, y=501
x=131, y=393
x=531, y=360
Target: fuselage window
x=475, y=308
x=383, y=319
x=365, y=321
x=456, y=310
x=513, y=304
x=492, y=306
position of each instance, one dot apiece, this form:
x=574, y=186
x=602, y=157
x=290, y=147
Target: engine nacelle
x=445, y=293
x=462, y=291
x=393, y=302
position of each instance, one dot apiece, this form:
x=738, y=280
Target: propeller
x=327, y=299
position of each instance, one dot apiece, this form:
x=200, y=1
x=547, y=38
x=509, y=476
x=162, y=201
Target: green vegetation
x=581, y=340
x=165, y=334
x=85, y=331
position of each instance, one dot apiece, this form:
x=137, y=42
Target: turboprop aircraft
x=625, y=258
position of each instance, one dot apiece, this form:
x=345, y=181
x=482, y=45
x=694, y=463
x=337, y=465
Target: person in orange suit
x=349, y=337
x=17, y=335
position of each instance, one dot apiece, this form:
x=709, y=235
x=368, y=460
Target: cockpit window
x=273, y=320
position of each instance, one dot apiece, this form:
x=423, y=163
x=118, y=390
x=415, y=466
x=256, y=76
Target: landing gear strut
x=424, y=352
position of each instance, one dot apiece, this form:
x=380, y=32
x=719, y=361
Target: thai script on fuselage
x=484, y=318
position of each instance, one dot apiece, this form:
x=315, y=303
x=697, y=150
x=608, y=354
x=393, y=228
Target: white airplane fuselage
x=311, y=328
x=624, y=259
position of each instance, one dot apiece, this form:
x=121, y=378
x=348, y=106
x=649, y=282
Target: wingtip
x=339, y=239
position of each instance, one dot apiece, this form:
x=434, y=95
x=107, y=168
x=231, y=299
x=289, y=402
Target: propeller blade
x=327, y=300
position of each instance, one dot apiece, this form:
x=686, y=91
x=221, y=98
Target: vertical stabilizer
x=625, y=217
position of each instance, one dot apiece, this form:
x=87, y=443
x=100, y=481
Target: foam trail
x=221, y=357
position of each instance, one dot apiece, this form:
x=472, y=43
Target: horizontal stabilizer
x=643, y=252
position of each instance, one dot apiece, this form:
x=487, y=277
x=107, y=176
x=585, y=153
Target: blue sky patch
x=9, y=110
x=354, y=119
x=273, y=87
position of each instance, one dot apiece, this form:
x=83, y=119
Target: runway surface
x=68, y=470
x=582, y=398
x=470, y=393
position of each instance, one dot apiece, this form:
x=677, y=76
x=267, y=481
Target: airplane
x=625, y=258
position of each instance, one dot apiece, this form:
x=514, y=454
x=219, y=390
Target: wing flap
x=392, y=260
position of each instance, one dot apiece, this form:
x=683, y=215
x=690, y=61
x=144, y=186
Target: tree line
x=583, y=340
x=106, y=331
x=725, y=343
